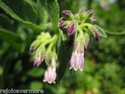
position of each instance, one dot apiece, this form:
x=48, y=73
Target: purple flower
x=40, y=56
x=77, y=59
x=87, y=46
x=31, y=49
x=90, y=12
x=38, y=59
x=50, y=74
x=72, y=27
x=94, y=31
x=61, y=19
x=66, y=12
x=97, y=37
x=62, y=25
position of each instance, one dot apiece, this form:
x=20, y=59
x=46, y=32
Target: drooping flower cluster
x=79, y=27
x=45, y=50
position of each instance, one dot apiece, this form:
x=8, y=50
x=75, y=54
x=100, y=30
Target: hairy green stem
x=115, y=33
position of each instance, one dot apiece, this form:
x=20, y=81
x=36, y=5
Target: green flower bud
x=87, y=40
x=40, y=55
x=39, y=40
x=94, y=31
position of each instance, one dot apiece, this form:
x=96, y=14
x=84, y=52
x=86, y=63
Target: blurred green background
x=104, y=69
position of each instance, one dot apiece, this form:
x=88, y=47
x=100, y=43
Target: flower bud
x=89, y=13
x=87, y=40
x=81, y=13
x=61, y=19
x=62, y=25
x=72, y=27
x=66, y=13
x=31, y=49
x=94, y=31
x=40, y=56
x=39, y=40
x=97, y=36
x=34, y=45
x=93, y=19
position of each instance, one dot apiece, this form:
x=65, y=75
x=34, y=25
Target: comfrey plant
x=80, y=27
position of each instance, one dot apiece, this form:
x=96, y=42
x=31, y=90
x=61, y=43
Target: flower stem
x=115, y=33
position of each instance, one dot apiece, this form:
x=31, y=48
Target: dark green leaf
x=42, y=16
x=8, y=35
x=53, y=10
x=11, y=38
x=5, y=22
x=16, y=17
x=63, y=58
x=22, y=8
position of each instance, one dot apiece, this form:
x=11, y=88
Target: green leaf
x=11, y=38
x=16, y=17
x=101, y=31
x=63, y=58
x=23, y=9
x=8, y=35
x=42, y=16
x=5, y=22
x=53, y=10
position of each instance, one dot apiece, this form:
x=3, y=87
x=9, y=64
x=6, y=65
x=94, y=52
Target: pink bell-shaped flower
x=77, y=58
x=50, y=74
